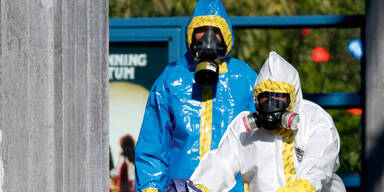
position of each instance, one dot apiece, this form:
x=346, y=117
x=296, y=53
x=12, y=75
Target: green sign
x=138, y=63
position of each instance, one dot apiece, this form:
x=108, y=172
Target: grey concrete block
x=54, y=95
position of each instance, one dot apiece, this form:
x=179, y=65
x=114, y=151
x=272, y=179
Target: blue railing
x=309, y=21
x=351, y=180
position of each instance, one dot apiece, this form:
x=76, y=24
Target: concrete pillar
x=373, y=176
x=54, y=95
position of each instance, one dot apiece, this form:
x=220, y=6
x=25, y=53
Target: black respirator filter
x=207, y=72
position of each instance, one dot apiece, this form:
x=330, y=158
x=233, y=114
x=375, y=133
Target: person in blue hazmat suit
x=288, y=145
x=192, y=102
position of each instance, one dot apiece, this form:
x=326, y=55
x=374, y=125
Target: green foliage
x=151, y=8
x=350, y=131
x=340, y=74
x=162, y=8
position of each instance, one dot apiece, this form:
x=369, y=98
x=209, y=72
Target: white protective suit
x=273, y=161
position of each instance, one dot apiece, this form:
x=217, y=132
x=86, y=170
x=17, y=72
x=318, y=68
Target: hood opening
x=278, y=87
x=213, y=21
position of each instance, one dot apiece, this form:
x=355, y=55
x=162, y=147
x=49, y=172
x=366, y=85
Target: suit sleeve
x=218, y=168
x=320, y=153
x=151, y=152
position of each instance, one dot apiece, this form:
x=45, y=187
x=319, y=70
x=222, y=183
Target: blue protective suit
x=184, y=120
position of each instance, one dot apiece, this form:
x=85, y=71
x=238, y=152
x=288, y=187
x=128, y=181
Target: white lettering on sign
x=121, y=73
x=122, y=66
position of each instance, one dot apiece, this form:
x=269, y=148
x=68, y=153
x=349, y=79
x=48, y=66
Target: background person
x=193, y=101
x=123, y=174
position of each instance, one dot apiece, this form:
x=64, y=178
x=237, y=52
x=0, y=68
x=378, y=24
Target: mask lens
x=272, y=101
x=207, y=46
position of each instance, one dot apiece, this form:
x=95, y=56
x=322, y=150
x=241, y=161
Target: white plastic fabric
x=258, y=154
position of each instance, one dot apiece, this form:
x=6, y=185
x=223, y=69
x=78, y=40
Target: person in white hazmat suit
x=289, y=145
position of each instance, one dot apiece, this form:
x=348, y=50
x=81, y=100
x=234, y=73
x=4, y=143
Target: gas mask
x=289, y=120
x=207, y=50
x=271, y=106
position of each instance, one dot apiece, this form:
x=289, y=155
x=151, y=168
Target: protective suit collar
x=277, y=75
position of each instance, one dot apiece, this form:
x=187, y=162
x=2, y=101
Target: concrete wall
x=373, y=177
x=54, y=95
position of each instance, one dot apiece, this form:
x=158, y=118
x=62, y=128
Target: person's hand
x=181, y=185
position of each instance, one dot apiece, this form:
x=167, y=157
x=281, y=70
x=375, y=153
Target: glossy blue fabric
x=169, y=141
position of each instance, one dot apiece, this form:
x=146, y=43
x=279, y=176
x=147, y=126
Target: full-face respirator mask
x=271, y=112
x=207, y=51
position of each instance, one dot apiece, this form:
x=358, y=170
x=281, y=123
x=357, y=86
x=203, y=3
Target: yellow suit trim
x=150, y=190
x=285, y=189
x=288, y=163
x=206, y=121
x=202, y=188
x=223, y=67
x=246, y=187
x=214, y=21
x=303, y=185
x=276, y=86
x=300, y=185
